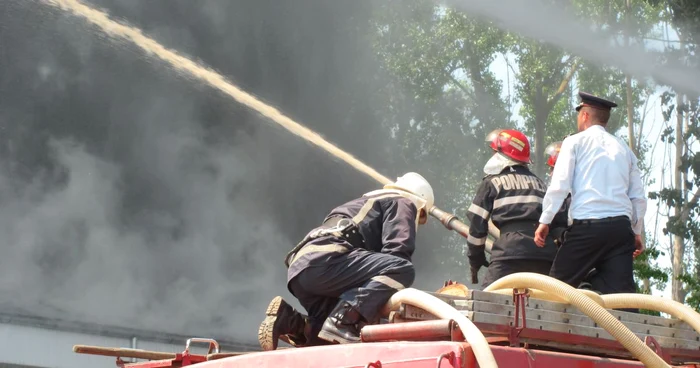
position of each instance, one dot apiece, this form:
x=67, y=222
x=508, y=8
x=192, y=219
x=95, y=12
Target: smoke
x=550, y=23
x=130, y=195
x=135, y=196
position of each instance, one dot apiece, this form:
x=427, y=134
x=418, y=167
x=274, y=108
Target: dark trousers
x=364, y=279
x=606, y=246
x=501, y=268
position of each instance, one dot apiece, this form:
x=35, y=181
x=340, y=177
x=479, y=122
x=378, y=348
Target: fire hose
x=545, y=287
x=622, y=300
x=452, y=222
x=589, y=302
x=589, y=307
x=431, y=304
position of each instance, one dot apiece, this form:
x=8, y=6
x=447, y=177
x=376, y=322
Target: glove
x=475, y=275
x=476, y=261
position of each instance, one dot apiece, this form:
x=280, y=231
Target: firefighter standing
x=510, y=195
x=607, y=204
x=552, y=153
x=344, y=271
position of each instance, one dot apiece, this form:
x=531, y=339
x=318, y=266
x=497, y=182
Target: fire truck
x=550, y=325
x=521, y=320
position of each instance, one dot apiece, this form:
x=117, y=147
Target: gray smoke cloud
x=132, y=196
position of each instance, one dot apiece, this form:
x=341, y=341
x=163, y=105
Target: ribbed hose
x=539, y=294
x=655, y=303
x=440, y=309
x=586, y=305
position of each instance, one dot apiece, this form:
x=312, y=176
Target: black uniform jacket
x=386, y=220
x=512, y=200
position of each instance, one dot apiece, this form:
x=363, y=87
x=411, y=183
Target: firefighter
x=510, y=195
x=551, y=153
x=344, y=271
x=607, y=203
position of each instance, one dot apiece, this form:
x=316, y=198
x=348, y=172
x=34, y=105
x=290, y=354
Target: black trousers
x=364, y=279
x=501, y=268
x=606, y=246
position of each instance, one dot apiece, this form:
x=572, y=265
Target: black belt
x=512, y=227
x=350, y=232
x=600, y=221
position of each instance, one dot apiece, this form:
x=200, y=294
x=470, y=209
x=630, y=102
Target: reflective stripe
x=476, y=241
x=388, y=281
x=521, y=199
x=306, y=249
x=479, y=211
x=319, y=248
x=368, y=206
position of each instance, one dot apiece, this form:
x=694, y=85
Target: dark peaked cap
x=589, y=100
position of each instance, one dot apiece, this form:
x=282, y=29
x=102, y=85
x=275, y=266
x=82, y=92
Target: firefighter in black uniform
x=344, y=271
x=510, y=195
x=551, y=152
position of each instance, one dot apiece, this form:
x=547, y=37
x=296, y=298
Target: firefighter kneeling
x=510, y=196
x=344, y=271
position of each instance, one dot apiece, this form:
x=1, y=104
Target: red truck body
x=413, y=339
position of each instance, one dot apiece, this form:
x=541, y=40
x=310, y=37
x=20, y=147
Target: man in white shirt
x=608, y=203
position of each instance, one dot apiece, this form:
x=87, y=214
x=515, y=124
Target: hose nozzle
x=453, y=223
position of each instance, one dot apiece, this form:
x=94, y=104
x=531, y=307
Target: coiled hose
x=586, y=305
x=437, y=307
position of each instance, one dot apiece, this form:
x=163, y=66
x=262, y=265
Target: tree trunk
x=541, y=115
x=630, y=132
x=677, y=290
x=482, y=108
x=542, y=111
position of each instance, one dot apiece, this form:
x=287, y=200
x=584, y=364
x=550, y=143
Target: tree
x=681, y=113
x=545, y=72
x=444, y=98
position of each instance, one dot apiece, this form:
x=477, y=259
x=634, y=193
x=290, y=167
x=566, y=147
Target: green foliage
x=646, y=267
x=685, y=15
x=685, y=220
x=443, y=97
x=540, y=87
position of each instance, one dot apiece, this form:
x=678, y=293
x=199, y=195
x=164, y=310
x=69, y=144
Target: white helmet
x=417, y=185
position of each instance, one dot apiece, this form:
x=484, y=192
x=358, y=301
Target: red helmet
x=552, y=153
x=511, y=143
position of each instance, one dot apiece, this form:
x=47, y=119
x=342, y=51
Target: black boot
x=342, y=325
x=282, y=322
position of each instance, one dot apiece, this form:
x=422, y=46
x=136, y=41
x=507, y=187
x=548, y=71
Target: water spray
x=216, y=80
